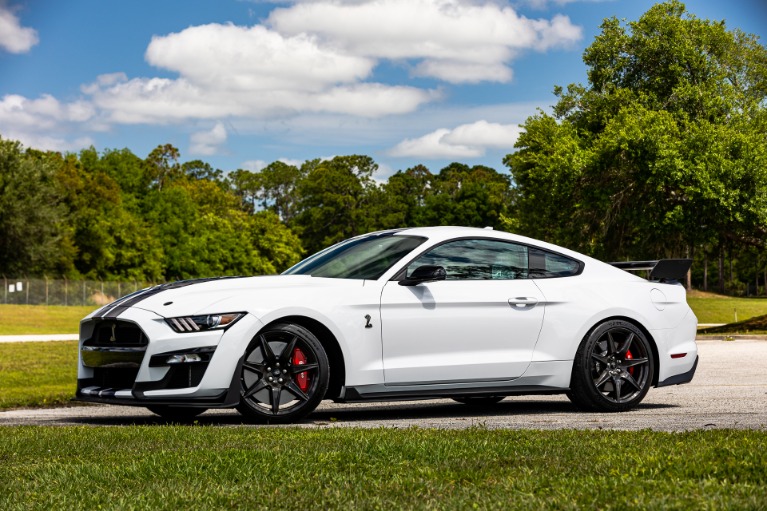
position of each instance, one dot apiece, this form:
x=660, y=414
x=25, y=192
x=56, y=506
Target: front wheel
x=284, y=375
x=613, y=368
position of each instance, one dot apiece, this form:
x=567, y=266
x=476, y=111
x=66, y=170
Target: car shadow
x=377, y=413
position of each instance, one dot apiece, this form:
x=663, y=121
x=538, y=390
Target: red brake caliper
x=302, y=379
x=629, y=356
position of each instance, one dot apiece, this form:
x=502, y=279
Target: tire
x=176, y=413
x=613, y=368
x=284, y=376
x=478, y=401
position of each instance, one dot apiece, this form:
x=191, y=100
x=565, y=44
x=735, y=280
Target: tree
x=334, y=199
x=245, y=186
x=205, y=233
x=162, y=165
x=662, y=152
x=273, y=188
x=110, y=241
x=472, y=196
x=403, y=198
x=31, y=215
x=198, y=169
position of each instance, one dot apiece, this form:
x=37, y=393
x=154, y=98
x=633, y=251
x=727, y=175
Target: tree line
x=663, y=153
x=113, y=215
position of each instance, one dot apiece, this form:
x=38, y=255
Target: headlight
x=186, y=324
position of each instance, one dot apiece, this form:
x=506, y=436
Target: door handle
x=522, y=302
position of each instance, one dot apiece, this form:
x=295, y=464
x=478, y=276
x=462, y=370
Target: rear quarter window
x=546, y=265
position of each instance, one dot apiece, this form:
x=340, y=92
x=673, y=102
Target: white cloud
x=13, y=37
x=258, y=165
x=254, y=59
x=452, y=40
x=45, y=112
x=310, y=61
x=464, y=72
x=51, y=143
x=464, y=141
x=484, y=134
x=232, y=71
x=545, y=4
x=44, y=123
x=208, y=142
x=290, y=161
x=434, y=146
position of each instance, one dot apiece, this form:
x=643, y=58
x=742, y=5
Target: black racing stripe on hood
x=118, y=307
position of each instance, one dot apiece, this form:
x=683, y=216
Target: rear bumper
x=679, y=379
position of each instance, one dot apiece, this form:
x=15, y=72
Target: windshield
x=367, y=257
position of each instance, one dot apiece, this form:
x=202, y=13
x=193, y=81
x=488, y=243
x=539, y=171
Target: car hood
x=206, y=296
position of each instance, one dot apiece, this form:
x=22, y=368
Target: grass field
x=40, y=374
x=188, y=467
x=200, y=467
x=37, y=373
x=40, y=319
x=710, y=308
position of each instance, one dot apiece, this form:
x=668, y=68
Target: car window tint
x=366, y=257
x=477, y=259
x=481, y=259
x=544, y=264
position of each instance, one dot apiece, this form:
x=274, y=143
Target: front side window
x=367, y=257
x=482, y=259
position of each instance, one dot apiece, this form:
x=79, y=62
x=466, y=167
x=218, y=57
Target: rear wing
x=663, y=270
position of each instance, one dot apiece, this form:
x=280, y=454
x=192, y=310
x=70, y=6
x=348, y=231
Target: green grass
x=37, y=373
x=721, y=309
x=40, y=374
x=188, y=467
x=41, y=319
x=756, y=325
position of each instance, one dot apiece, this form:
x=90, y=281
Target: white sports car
x=470, y=314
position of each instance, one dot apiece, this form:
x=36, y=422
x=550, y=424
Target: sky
x=243, y=83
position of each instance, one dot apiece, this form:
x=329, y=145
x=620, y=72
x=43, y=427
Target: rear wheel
x=176, y=413
x=613, y=368
x=284, y=375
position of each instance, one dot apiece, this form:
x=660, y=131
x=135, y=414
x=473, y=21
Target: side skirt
x=442, y=390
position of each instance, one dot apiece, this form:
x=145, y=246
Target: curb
x=39, y=338
x=730, y=337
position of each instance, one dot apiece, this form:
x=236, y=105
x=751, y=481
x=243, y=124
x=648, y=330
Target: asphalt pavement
x=729, y=391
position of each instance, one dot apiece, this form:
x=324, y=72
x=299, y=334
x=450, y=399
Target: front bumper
x=122, y=361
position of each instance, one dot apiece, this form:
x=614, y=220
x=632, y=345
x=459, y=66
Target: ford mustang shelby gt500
x=470, y=314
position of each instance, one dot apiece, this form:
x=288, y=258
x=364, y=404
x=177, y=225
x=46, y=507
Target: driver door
x=480, y=324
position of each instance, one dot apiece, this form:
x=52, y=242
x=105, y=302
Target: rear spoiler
x=663, y=270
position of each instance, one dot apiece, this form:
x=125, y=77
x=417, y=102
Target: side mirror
x=426, y=273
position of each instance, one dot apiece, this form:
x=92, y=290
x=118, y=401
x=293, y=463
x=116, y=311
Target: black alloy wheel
x=284, y=376
x=176, y=413
x=613, y=368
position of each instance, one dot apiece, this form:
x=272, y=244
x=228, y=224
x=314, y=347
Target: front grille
x=116, y=333
x=114, y=377
x=115, y=351
x=189, y=376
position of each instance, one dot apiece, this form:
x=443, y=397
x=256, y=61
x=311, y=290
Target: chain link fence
x=24, y=291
